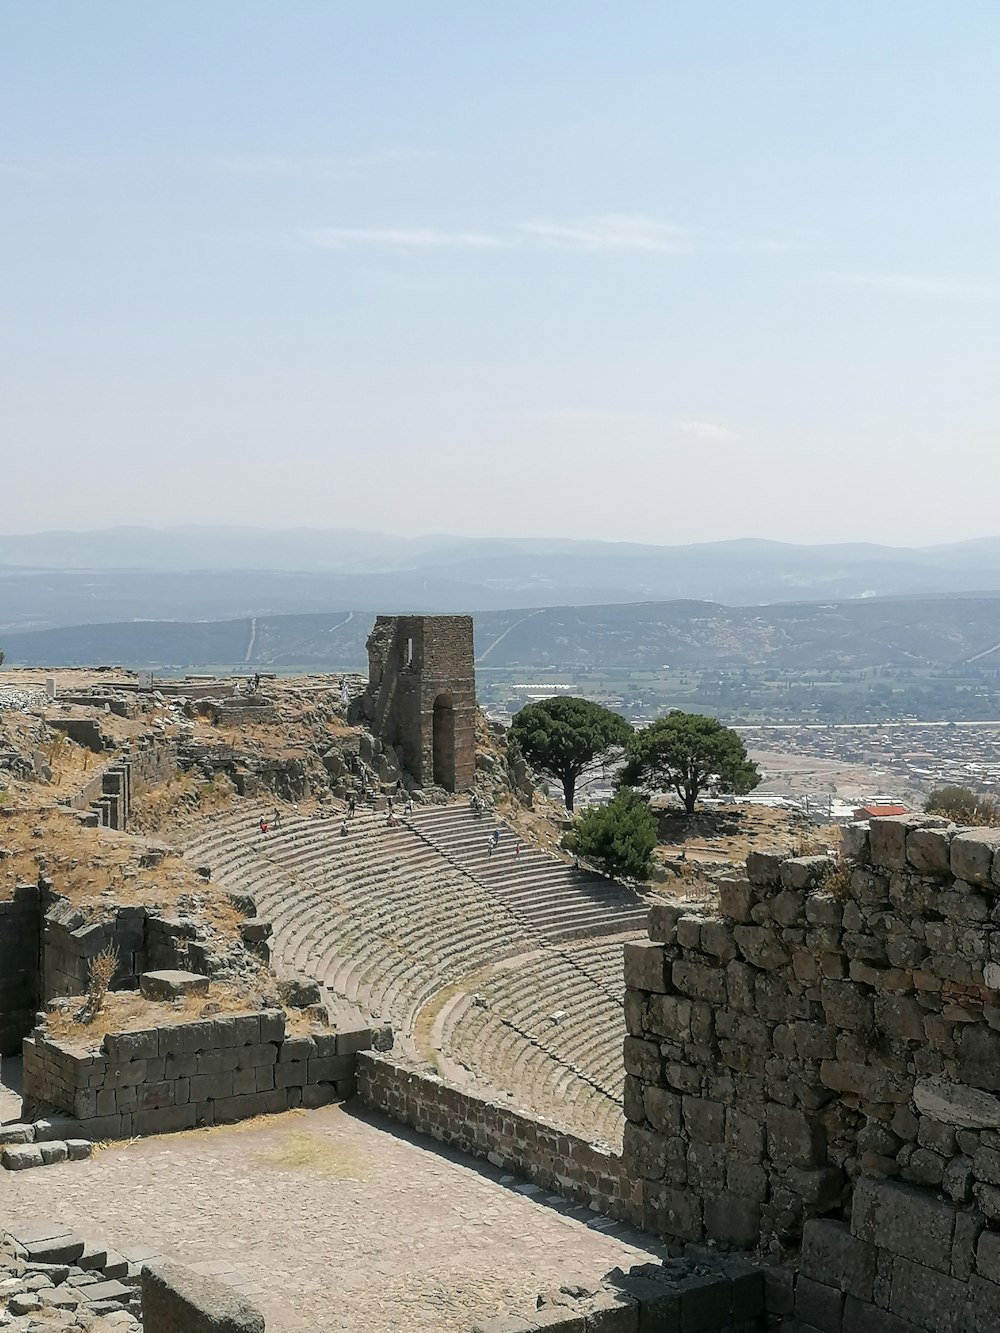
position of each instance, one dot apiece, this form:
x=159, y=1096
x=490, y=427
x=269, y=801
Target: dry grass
x=128, y=1011
x=317, y=1156
x=85, y=864
x=102, y=969
x=182, y=797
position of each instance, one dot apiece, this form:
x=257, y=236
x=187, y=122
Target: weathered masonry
x=817, y=1069
x=421, y=696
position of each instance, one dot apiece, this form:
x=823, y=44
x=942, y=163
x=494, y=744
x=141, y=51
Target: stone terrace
x=556, y=900
x=330, y=1220
x=384, y=919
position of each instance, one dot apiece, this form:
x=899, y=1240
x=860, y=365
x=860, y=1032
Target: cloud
x=915, y=284
x=709, y=431
x=611, y=233
x=406, y=238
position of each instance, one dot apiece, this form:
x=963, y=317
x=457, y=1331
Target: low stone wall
x=188, y=1074
x=818, y=1067
x=20, y=928
x=559, y=1162
x=177, y=1300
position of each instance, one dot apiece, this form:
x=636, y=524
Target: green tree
x=686, y=751
x=566, y=736
x=618, y=837
x=963, y=805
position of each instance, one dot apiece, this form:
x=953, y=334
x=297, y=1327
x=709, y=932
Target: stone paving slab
x=330, y=1219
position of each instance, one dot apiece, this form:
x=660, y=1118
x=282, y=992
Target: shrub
x=963, y=805
x=618, y=837
x=102, y=968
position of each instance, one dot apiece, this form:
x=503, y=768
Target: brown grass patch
x=302, y=1151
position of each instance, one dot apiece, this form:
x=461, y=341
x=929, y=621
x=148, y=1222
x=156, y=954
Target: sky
x=646, y=271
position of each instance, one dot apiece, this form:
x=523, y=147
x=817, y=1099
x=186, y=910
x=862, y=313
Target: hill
x=67, y=578
x=900, y=632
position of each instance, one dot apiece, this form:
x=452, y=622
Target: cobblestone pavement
x=330, y=1220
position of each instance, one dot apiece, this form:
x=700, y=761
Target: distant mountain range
x=901, y=632
x=192, y=573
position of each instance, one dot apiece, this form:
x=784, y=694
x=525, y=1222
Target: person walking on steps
x=495, y=835
x=351, y=803
x=263, y=824
x=490, y=844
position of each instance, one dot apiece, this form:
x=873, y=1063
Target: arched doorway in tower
x=444, y=742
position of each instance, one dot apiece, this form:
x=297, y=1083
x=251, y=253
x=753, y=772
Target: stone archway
x=444, y=742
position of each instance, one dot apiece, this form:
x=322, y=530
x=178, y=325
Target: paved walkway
x=330, y=1219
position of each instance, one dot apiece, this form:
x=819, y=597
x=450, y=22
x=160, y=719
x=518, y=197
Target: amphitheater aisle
x=479, y=988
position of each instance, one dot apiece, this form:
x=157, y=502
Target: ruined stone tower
x=421, y=695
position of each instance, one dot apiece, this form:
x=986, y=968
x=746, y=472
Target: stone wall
x=108, y=792
x=421, y=695
x=818, y=1067
x=558, y=1162
x=183, y=1075
x=20, y=929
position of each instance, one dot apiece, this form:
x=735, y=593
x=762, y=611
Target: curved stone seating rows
x=378, y=917
x=539, y=1025
x=382, y=918
x=555, y=899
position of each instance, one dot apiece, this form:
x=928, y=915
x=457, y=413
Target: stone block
x=887, y=841
x=830, y=1254
x=295, y=1049
x=701, y=982
x=764, y=868
x=52, y=1152
x=16, y=1133
x=165, y=1119
x=646, y=966
x=735, y=899
x=672, y=1212
x=904, y=1220
x=818, y=1305
x=662, y=1109
x=705, y=1121
x=953, y=1104
x=208, y=1087
x=926, y=1298
x=848, y=1006
x=643, y=1060
x=972, y=855
x=860, y=1317
x=805, y=872
x=21, y=1156
x=222, y=1061
x=350, y=1040
x=272, y=1025
x=175, y=1300
x=328, y=1069
x=123, y=1047
x=172, y=984
x=293, y=1074
x=733, y=1219
x=611, y=1312
x=928, y=850
x=760, y=946
x=855, y=842
x=793, y=1138
x=79, y=1149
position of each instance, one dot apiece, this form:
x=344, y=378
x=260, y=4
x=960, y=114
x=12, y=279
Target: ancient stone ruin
x=421, y=696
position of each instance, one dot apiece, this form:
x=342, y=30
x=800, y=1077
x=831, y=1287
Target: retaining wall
x=188, y=1074
x=558, y=1162
x=820, y=1069
x=20, y=927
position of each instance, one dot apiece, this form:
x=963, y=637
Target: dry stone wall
x=20, y=927
x=532, y=1149
x=183, y=1075
x=818, y=1066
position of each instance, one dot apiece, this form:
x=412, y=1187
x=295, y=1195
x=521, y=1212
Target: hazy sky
x=651, y=271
